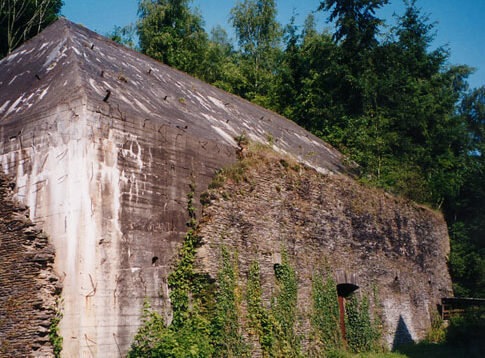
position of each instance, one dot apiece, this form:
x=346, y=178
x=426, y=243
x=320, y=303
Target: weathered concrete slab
x=67, y=62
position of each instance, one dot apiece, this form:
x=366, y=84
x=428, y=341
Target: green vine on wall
x=326, y=334
x=259, y=319
x=188, y=335
x=226, y=331
x=362, y=333
x=274, y=327
x=284, y=311
x=54, y=337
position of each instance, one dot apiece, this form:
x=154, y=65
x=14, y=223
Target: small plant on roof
x=122, y=77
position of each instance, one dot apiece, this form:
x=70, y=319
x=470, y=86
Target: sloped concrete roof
x=68, y=63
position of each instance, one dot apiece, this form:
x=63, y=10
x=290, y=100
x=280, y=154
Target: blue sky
x=461, y=23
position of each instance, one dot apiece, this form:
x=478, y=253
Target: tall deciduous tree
x=23, y=19
x=173, y=33
x=259, y=37
x=218, y=63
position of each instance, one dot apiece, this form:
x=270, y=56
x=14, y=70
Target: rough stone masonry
x=28, y=286
x=102, y=143
x=372, y=239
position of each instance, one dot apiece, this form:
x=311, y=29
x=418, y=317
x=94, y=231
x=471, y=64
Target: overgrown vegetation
x=362, y=333
x=205, y=314
x=437, y=332
x=227, y=335
x=188, y=335
x=284, y=312
x=326, y=334
x=259, y=320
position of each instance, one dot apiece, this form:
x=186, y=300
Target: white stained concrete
x=65, y=189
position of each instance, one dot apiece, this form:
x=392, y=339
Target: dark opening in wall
x=344, y=290
x=154, y=260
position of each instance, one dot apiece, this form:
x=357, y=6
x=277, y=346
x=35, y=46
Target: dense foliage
x=389, y=101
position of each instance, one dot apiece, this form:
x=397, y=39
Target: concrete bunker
x=63, y=145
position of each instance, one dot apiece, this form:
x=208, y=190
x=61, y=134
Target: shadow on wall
x=402, y=336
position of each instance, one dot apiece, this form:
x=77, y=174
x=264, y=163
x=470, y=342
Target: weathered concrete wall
x=400, y=247
x=111, y=195
x=28, y=286
x=52, y=162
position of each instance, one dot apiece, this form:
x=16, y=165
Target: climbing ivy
x=151, y=335
x=362, y=334
x=325, y=320
x=274, y=327
x=284, y=311
x=189, y=332
x=259, y=319
x=226, y=332
x=54, y=337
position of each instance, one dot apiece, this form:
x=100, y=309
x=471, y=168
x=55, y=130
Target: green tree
x=259, y=37
x=418, y=93
x=318, y=107
x=355, y=20
x=22, y=19
x=465, y=211
x=356, y=31
x=172, y=33
x=290, y=71
x=125, y=35
x=218, y=65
